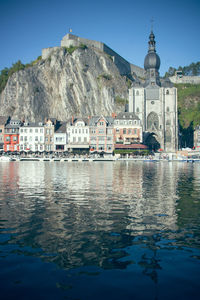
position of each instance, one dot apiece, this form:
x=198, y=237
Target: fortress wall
x=123, y=65
x=47, y=51
x=138, y=71
x=72, y=40
x=185, y=79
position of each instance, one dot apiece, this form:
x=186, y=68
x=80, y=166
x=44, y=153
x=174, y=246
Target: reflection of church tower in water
x=155, y=103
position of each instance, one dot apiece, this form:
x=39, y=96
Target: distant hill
x=188, y=111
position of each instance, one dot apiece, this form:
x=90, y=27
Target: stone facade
x=155, y=103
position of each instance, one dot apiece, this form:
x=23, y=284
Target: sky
x=27, y=26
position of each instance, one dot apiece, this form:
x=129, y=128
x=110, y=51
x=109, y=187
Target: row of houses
x=93, y=134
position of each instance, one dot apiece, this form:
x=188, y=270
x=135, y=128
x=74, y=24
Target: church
x=154, y=101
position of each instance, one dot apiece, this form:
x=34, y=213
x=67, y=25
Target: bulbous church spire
x=152, y=62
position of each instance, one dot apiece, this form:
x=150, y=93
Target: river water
x=99, y=230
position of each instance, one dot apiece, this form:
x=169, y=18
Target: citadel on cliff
x=153, y=101
x=86, y=84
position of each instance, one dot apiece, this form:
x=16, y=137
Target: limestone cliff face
x=83, y=83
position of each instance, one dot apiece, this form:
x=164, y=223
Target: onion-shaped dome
x=152, y=60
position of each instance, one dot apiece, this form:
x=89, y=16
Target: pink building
x=101, y=135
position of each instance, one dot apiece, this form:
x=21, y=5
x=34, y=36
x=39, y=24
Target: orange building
x=11, y=136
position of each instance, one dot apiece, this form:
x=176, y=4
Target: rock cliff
x=84, y=82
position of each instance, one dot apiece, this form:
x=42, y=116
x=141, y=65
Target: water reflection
x=96, y=214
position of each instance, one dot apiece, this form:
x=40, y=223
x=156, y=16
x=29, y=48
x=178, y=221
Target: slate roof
x=127, y=116
x=61, y=127
x=94, y=120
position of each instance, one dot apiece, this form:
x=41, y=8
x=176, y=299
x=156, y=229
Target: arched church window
x=168, y=122
x=137, y=93
x=137, y=110
x=167, y=92
x=167, y=108
x=152, y=121
x=168, y=136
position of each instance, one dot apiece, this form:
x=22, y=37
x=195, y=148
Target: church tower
x=154, y=101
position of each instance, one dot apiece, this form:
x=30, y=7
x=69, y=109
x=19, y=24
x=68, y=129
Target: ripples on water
x=104, y=230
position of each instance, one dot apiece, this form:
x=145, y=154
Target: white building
x=78, y=134
x=60, y=137
x=31, y=137
x=155, y=103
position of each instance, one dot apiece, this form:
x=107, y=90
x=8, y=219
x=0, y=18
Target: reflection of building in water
x=79, y=212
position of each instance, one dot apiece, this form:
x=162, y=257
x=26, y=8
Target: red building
x=11, y=136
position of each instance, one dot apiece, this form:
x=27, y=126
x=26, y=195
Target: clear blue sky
x=27, y=26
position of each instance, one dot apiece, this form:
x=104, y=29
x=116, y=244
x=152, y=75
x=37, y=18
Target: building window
x=167, y=92
x=137, y=93
x=101, y=131
x=124, y=131
x=137, y=110
x=167, y=108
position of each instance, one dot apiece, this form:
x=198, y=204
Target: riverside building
x=78, y=135
x=154, y=101
x=32, y=137
x=101, y=134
